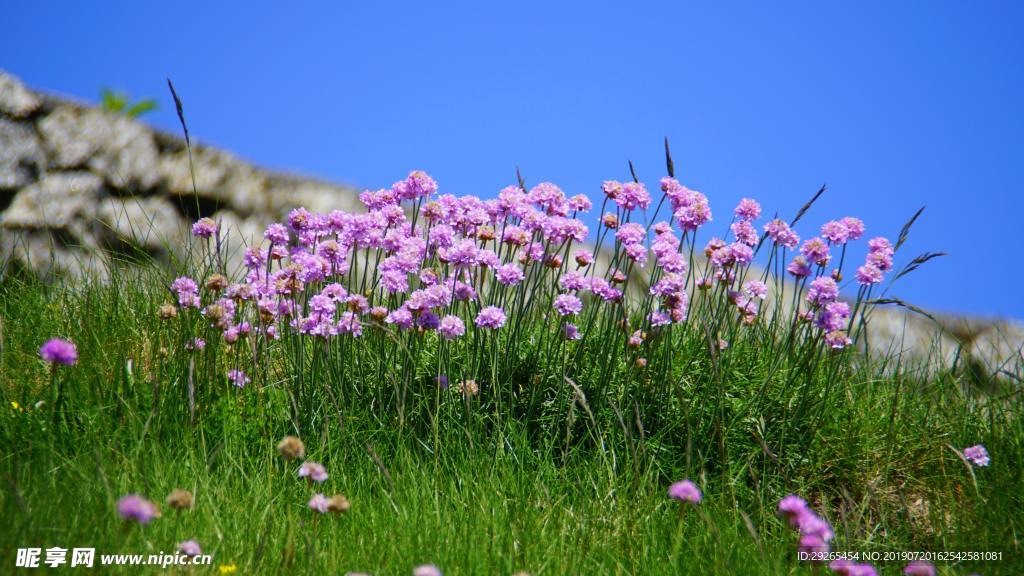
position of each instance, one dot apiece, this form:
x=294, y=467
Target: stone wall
x=78, y=184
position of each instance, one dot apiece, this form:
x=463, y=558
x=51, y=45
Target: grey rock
x=212, y=168
x=21, y=154
x=149, y=222
x=73, y=135
x=121, y=149
x=129, y=158
x=286, y=195
x=48, y=255
x=54, y=202
x=237, y=234
x=916, y=342
x=998, y=349
x=16, y=100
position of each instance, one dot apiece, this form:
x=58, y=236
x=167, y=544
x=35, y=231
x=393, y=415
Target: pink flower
x=781, y=234
x=633, y=195
x=854, y=227
x=426, y=570
x=319, y=502
x=835, y=232
x=792, y=507
x=509, y=274
x=815, y=250
x=187, y=291
x=451, y=327
x=567, y=304
x=491, y=317
x=137, y=508
x=314, y=471
x=919, y=568
x=190, y=548
x=685, y=491
x=869, y=274
x=238, y=378
x=822, y=291
x=277, y=234
x=204, y=228
x=977, y=455
x=748, y=210
x=571, y=332
x=57, y=351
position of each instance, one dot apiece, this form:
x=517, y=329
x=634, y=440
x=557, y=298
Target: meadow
x=452, y=385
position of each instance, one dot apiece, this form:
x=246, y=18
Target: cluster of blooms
x=977, y=455
x=57, y=351
x=685, y=491
x=815, y=531
x=136, y=508
x=292, y=448
x=432, y=263
x=879, y=261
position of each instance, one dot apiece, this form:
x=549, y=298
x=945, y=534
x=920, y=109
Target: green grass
x=544, y=482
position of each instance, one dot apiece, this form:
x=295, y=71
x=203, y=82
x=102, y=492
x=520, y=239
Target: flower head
x=426, y=570
x=567, y=304
x=977, y=455
x=451, y=326
x=136, y=508
x=238, y=378
x=685, y=491
x=291, y=448
x=314, y=471
x=748, y=210
x=180, y=499
x=919, y=568
x=190, y=548
x=204, y=228
x=491, y=317
x=57, y=351
x=320, y=503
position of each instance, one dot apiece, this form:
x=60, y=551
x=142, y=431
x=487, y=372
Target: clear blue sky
x=893, y=104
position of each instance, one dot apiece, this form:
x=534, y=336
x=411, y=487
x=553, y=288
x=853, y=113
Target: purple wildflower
x=869, y=274
x=238, y=378
x=319, y=503
x=977, y=455
x=748, y=210
x=854, y=227
x=835, y=232
x=190, y=548
x=816, y=250
x=509, y=274
x=137, y=508
x=451, y=327
x=567, y=304
x=187, y=291
x=491, y=317
x=781, y=234
x=57, y=351
x=685, y=491
x=571, y=332
x=426, y=570
x=822, y=291
x=204, y=228
x=277, y=234
x=314, y=471
x=919, y=568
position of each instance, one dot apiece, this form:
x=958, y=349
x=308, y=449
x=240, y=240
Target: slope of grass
x=573, y=484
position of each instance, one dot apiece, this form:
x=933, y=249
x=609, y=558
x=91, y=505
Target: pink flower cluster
x=457, y=265
x=685, y=491
x=815, y=531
